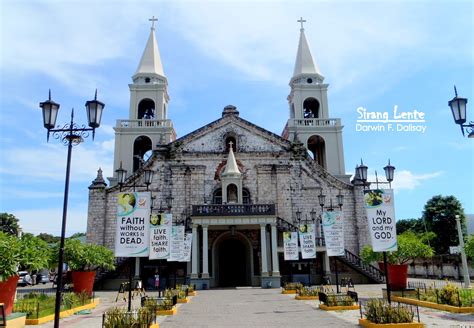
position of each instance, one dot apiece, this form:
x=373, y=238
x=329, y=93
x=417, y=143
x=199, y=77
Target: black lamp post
x=361, y=175
x=121, y=177
x=70, y=135
x=340, y=202
x=458, y=108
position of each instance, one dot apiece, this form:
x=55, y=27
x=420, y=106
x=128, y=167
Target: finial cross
x=153, y=20
x=301, y=21
x=230, y=144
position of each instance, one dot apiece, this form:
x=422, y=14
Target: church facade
x=235, y=185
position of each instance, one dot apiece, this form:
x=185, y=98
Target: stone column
x=263, y=247
x=137, y=268
x=194, y=254
x=275, y=264
x=205, y=253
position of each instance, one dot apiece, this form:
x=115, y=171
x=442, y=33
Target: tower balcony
x=234, y=210
x=144, y=123
x=309, y=123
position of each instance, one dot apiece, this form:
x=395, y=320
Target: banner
x=176, y=245
x=307, y=234
x=188, y=242
x=290, y=245
x=160, y=236
x=381, y=216
x=131, y=233
x=333, y=228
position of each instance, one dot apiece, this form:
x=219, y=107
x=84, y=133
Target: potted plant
x=410, y=246
x=84, y=260
x=27, y=253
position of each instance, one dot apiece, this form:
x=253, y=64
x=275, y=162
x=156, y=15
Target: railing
x=357, y=262
x=315, y=122
x=233, y=210
x=144, y=123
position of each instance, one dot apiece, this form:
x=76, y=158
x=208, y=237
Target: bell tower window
x=146, y=109
x=311, y=108
x=232, y=196
x=141, y=148
x=230, y=140
x=316, y=146
x=217, y=197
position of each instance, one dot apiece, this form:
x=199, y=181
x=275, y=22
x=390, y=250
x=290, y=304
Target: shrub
x=379, y=311
x=120, y=318
x=293, y=285
x=309, y=291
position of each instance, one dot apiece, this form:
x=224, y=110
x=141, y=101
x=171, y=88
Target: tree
x=410, y=247
x=9, y=224
x=50, y=239
x=78, y=235
x=469, y=247
x=414, y=225
x=440, y=217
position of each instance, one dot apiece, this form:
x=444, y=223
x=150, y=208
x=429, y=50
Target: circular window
x=309, y=80
x=147, y=80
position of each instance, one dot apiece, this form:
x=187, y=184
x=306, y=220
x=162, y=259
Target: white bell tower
x=309, y=121
x=148, y=124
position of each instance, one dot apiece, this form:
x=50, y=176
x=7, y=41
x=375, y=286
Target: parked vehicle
x=25, y=279
x=42, y=277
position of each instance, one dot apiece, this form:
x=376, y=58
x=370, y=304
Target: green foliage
x=469, y=247
x=28, y=253
x=9, y=224
x=309, y=291
x=293, y=285
x=37, y=305
x=440, y=216
x=414, y=225
x=449, y=295
x=339, y=300
x=410, y=246
x=120, y=318
x=50, y=239
x=379, y=311
x=86, y=257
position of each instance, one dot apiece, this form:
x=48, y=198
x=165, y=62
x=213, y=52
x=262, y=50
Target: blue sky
x=374, y=54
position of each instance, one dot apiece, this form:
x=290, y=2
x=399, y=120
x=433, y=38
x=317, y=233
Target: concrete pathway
x=248, y=307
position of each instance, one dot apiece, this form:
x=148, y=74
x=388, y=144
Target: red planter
x=7, y=293
x=397, y=275
x=83, y=281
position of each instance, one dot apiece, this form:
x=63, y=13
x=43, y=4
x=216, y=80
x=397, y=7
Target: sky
x=374, y=55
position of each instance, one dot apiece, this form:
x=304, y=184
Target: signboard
x=290, y=245
x=176, y=245
x=454, y=249
x=381, y=215
x=160, y=236
x=188, y=241
x=131, y=236
x=333, y=227
x=308, y=241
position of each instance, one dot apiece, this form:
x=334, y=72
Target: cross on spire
x=153, y=20
x=301, y=21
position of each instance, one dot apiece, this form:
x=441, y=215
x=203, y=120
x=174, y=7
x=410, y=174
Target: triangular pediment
x=251, y=138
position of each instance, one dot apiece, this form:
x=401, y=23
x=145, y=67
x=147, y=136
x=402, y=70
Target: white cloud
x=48, y=162
x=405, y=179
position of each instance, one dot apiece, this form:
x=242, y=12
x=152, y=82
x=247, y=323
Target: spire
x=305, y=64
x=231, y=168
x=99, y=181
x=150, y=64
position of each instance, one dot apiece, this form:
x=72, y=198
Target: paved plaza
x=256, y=307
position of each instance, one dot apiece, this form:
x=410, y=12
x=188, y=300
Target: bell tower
x=147, y=125
x=309, y=121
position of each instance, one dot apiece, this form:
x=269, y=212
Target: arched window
x=311, y=108
x=316, y=146
x=217, y=196
x=141, y=147
x=245, y=196
x=228, y=140
x=146, y=109
x=232, y=196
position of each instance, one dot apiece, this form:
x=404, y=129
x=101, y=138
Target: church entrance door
x=233, y=269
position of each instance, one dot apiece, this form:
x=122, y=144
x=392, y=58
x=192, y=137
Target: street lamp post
x=465, y=269
x=458, y=109
x=70, y=135
x=121, y=177
x=361, y=174
x=340, y=201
